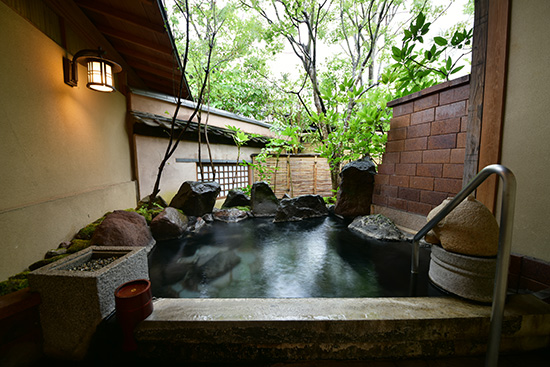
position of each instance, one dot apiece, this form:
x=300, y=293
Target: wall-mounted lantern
x=100, y=70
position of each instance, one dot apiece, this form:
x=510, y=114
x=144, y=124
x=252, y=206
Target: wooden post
x=288, y=176
x=315, y=175
x=493, y=99
x=487, y=83
x=477, y=84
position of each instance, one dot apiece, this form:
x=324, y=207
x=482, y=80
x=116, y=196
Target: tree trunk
x=335, y=175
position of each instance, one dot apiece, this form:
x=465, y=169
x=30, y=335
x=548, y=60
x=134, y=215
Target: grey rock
x=55, y=252
x=264, y=203
x=354, y=196
x=195, y=224
x=376, y=226
x=301, y=207
x=236, y=197
x=169, y=224
x=64, y=244
x=196, y=198
x=122, y=228
x=207, y=264
x=230, y=215
x=220, y=264
x=208, y=218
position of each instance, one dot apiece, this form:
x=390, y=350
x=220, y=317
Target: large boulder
x=469, y=229
x=376, y=226
x=236, y=197
x=196, y=198
x=301, y=207
x=169, y=224
x=354, y=196
x=263, y=201
x=122, y=228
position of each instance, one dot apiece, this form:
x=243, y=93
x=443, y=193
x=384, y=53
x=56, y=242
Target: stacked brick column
x=424, y=159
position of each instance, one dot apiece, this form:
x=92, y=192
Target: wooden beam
x=494, y=94
x=117, y=14
x=477, y=84
x=125, y=36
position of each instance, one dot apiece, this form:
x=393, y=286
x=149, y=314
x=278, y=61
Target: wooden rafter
x=125, y=36
x=155, y=71
x=144, y=57
x=117, y=14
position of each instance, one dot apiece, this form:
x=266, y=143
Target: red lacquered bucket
x=133, y=304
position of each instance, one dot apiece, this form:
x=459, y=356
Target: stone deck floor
x=539, y=358
x=106, y=351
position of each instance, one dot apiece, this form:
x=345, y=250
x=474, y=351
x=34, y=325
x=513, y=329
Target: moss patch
x=77, y=245
x=243, y=208
x=14, y=283
x=148, y=214
x=87, y=232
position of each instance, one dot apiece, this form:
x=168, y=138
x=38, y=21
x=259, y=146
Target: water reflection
x=258, y=258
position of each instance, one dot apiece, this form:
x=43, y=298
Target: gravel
x=94, y=264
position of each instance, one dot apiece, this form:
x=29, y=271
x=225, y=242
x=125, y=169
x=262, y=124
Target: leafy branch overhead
x=417, y=68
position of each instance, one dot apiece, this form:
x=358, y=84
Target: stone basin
x=469, y=277
x=75, y=302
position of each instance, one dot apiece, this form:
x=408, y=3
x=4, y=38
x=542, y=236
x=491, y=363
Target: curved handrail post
x=503, y=262
x=504, y=247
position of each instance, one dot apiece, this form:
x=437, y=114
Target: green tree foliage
x=239, y=71
x=357, y=26
x=338, y=103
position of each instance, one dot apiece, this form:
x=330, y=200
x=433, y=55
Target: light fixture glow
x=100, y=76
x=100, y=70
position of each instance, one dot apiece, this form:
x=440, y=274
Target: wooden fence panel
x=298, y=174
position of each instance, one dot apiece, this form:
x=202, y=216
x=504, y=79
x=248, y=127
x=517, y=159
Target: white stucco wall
x=526, y=133
x=64, y=152
x=150, y=151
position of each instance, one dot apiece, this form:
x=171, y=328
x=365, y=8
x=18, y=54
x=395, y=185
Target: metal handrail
x=504, y=246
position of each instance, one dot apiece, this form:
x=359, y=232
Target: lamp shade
x=100, y=74
x=100, y=70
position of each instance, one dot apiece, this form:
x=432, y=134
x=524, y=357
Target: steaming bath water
x=257, y=258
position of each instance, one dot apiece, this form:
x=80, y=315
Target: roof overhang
x=135, y=34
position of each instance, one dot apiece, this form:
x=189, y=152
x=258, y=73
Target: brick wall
x=424, y=158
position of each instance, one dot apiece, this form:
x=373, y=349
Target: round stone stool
x=469, y=277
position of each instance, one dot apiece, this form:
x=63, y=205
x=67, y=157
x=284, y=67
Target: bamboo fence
x=297, y=174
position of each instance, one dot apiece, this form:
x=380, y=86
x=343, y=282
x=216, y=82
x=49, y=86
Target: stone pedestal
x=75, y=302
x=469, y=277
